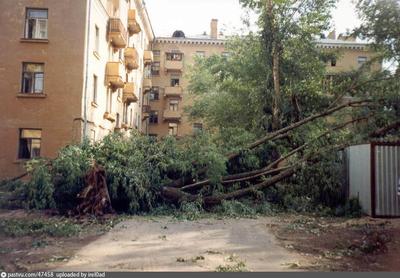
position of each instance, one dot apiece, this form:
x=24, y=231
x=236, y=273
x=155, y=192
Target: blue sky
x=193, y=16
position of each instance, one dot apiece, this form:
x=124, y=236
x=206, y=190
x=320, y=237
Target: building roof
x=332, y=44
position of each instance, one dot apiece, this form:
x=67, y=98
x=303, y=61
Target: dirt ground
x=280, y=243
x=339, y=244
x=164, y=244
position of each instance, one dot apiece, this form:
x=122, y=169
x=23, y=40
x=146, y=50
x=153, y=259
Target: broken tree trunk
x=95, y=199
x=277, y=135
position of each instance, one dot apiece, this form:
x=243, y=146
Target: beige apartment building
x=168, y=97
x=165, y=102
x=69, y=69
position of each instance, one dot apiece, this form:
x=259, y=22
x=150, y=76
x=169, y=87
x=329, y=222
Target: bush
x=314, y=186
x=40, y=188
x=13, y=194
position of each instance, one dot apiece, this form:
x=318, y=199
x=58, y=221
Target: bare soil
x=280, y=243
x=165, y=244
x=339, y=244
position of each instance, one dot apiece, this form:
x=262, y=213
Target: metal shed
x=373, y=175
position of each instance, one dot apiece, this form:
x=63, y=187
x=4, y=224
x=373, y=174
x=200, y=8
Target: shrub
x=40, y=188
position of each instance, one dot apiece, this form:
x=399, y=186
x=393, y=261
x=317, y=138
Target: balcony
x=146, y=111
x=116, y=33
x=176, y=91
x=147, y=84
x=148, y=57
x=109, y=116
x=114, y=73
x=133, y=25
x=131, y=58
x=173, y=65
x=172, y=115
x=128, y=95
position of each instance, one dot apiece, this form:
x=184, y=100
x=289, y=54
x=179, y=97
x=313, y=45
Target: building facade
x=164, y=104
x=68, y=70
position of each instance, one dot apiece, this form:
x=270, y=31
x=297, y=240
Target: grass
x=239, y=267
x=38, y=227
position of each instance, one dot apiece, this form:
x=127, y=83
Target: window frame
x=174, y=127
x=20, y=130
x=26, y=29
x=95, y=88
x=155, y=91
x=154, y=65
x=154, y=117
x=34, y=73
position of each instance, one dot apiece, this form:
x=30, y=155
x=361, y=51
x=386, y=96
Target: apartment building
x=165, y=101
x=68, y=70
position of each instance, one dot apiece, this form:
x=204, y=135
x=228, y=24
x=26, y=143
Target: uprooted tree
x=269, y=112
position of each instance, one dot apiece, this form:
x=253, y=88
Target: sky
x=194, y=16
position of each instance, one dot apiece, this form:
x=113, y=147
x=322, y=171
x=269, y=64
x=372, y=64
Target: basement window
x=36, y=24
x=32, y=78
x=30, y=141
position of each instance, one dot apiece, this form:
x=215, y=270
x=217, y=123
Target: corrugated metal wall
x=387, y=179
x=359, y=175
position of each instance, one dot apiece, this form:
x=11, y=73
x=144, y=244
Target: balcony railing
x=114, y=72
x=148, y=58
x=172, y=115
x=133, y=25
x=129, y=93
x=173, y=65
x=147, y=84
x=131, y=58
x=117, y=34
x=176, y=91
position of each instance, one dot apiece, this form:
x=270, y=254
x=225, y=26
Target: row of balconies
x=117, y=34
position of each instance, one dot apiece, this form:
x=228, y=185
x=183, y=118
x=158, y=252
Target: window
x=225, y=54
x=97, y=42
x=153, y=119
x=173, y=105
x=94, y=89
x=29, y=143
x=109, y=101
x=154, y=94
x=155, y=68
x=174, y=56
x=175, y=81
x=362, y=60
x=201, y=54
x=156, y=54
x=36, y=24
x=32, y=78
x=197, y=128
x=333, y=62
x=173, y=129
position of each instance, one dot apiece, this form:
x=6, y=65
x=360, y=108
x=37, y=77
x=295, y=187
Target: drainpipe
x=85, y=120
